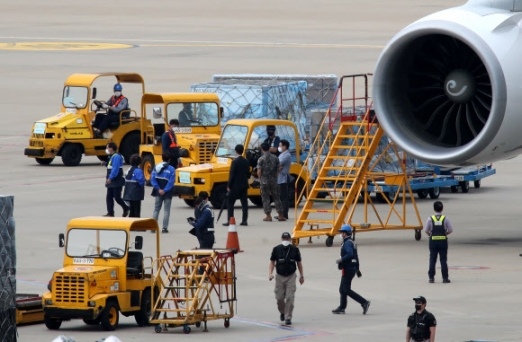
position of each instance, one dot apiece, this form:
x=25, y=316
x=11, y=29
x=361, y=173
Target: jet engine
x=448, y=88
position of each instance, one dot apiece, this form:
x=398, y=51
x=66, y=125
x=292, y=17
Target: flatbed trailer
x=29, y=309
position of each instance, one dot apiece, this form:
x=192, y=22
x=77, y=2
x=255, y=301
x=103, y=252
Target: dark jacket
x=349, y=256
x=162, y=178
x=169, y=143
x=134, y=185
x=115, y=171
x=204, y=223
x=239, y=175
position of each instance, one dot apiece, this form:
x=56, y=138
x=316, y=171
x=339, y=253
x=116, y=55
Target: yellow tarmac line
x=55, y=46
x=269, y=45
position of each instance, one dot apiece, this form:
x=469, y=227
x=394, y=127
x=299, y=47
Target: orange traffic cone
x=233, y=239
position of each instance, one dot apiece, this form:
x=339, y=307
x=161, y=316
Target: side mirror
x=94, y=93
x=221, y=112
x=138, y=242
x=156, y=113
x=61, y=240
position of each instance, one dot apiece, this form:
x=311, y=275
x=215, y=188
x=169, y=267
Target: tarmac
x=175, y=44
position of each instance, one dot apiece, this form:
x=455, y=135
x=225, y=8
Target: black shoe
x=243, y=224
x=226, y=224
x=108, y=215
x=164, y=230
x=282, y=317
x=288, y=322
x=338, y=311
x=125, y=212
x=366, y=306
x=446, y=281
x=432, y=280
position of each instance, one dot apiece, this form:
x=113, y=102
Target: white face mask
x=285, y=243
x=107, y=151
x=117, y=93
x=280, y=149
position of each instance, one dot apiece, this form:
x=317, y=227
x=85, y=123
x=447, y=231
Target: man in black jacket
x=238, y=185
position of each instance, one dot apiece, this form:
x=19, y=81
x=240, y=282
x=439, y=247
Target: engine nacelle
x=448, y=88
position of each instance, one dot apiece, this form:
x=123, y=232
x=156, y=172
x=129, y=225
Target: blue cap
x=346, y=228
x=117, y=87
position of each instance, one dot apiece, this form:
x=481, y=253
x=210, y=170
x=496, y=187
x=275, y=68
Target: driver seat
x=134, y=263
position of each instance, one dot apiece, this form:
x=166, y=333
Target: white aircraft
x=448, y=88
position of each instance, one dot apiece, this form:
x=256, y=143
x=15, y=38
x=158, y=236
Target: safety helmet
x=346, y=228
x=117, y=87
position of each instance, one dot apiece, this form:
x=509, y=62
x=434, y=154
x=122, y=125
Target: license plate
x=83, y=261
x=459, y=178
x=184, y=177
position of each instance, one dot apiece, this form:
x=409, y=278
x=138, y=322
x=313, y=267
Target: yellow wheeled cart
x=195, y=287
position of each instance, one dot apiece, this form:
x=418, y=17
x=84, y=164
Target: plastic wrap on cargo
x=260, y=99
x=7, y=270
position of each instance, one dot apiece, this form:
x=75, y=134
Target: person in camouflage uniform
x=267, y=170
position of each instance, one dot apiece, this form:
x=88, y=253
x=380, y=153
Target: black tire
x=454, y=189
x=103, y=158
x=390, y=195
x=92, y=321
x=417, y=235
x=190, y=202
x=476, y=184
x=422, y=193
x=130, y=145
x=197, y=324
x=44, y=161
x=329, y=241
x=226, y=323
x=142, y=318
x=71, y=154
x=464, y=186
x=187, y=330
x=52, y=323
x=110, y=316
x=256, y=200
x=434, y=193
x=218, y=196
x=147, y=165
x=380, y=197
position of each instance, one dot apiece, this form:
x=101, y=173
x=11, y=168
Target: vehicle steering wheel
x=97, y=103
x=115, y=252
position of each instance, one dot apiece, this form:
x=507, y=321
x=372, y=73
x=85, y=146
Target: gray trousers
x=166, y=209
x=285, y=292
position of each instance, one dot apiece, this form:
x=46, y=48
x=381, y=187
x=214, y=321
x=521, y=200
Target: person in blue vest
x=204, y=222
x=114, y=181
x=349, y=264
x=162, y=179
x=438, y=227
x=134, y=191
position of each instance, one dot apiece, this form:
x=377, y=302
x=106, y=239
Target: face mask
x=417, y=307
x=285, y=243
x=107, y=151
x=117, y=93
x=280, y=149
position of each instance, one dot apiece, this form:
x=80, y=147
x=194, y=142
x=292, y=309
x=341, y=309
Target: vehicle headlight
x=48, y=302
x=92, y=303
x=199, y=180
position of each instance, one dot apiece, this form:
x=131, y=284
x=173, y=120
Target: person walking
x=267, y=171
x=285, y=258
x=169, y=143
x=237, y=186
x=283, y=178
x=114, y=181
x=349, y=264
x=134, y=191
x=438, y=227
x=204, y=222
x=162, y=179
x=421, y=324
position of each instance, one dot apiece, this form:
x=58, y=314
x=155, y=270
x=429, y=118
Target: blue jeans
x=166, y=209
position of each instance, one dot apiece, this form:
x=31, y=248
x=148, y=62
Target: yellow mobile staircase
x=347, y=158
